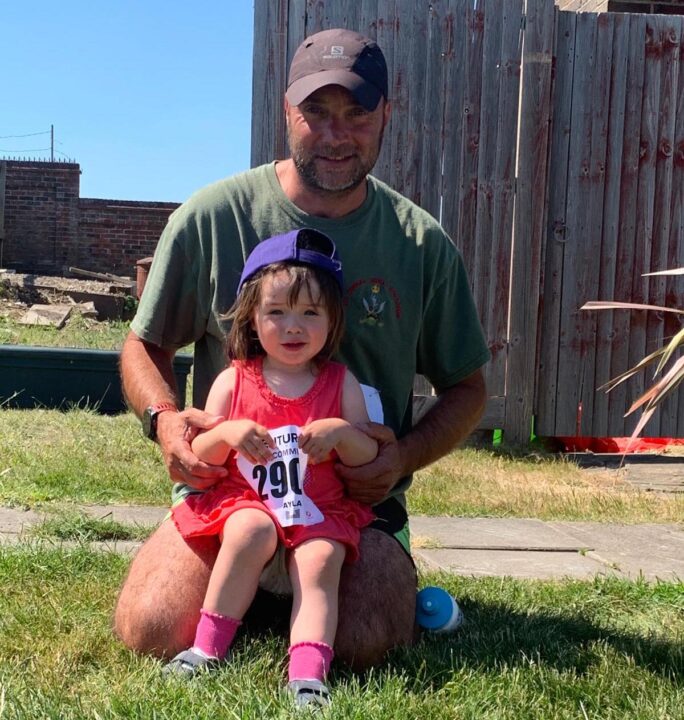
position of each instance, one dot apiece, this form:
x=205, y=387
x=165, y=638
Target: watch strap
x=150, y=418
x=162, y=407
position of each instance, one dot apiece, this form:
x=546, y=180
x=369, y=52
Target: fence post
x=529, y=219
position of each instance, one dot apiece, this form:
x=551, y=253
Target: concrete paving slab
x=55, y=315
x=126, y=514
x=654, y=551
x=667, y=478
x=493, y=533
x=14, y=522
x=126, y=547
x=524, y=564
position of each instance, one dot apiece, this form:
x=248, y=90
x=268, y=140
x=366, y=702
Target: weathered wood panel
x=574, y=204
x=606, y=335
x=675, y=285
x=575, y=366
x=613, y=193
x=619, y=399
x=669, y=31
x=554, y=247
x=530, y=219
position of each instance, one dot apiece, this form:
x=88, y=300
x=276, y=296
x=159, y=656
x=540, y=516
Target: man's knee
x=377, y=602
x=159, y=602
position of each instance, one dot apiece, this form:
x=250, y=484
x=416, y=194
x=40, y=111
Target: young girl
x=289, y=411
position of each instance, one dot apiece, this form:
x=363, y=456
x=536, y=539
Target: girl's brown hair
x=243, y=343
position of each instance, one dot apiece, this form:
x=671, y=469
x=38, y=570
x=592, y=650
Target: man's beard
x=306, y=167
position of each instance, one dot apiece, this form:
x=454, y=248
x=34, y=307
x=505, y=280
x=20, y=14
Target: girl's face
x=291, y=336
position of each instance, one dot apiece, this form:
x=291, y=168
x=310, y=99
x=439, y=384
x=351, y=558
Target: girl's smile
x=290, y=334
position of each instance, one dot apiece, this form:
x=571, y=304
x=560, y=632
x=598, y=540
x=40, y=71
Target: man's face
x=333, y=140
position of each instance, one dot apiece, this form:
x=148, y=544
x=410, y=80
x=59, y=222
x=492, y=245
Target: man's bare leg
x=159, y=604
x=377, y=602
x=158, y=607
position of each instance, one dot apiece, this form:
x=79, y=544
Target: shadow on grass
x=495, y=636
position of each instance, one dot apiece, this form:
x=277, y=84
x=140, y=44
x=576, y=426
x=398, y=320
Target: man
x=409, y=310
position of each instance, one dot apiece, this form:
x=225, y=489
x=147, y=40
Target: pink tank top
x=252, y=397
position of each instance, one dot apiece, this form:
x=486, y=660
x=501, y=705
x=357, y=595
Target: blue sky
x=151, y=97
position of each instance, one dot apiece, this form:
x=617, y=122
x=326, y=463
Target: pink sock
x=310, y=661
x=215, y=633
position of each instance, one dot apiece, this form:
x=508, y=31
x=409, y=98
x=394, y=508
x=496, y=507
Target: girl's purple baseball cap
x=305, y=246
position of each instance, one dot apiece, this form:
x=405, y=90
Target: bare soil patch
x=18, y=291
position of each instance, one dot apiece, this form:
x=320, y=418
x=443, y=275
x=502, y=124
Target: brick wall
x=40, y=214
x=47, y=226
x=115, y=234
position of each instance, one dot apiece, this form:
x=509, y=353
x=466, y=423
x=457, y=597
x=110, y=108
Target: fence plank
x=674, y=408
x=606, y=334
x=574, y=362
x=269, y=79
x=413, y=77
x=618, y=399
x=592, y=240
x=669, y=74
x=386, y=39
x=433, y=116
x=500, y=246
x=455, y=32
x=548, y=389
x=474, y=22
x=486, y=157
x=530, y=217
x=645, y=202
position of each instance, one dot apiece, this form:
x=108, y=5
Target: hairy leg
x=315, y=571
x=377, y=602
x=158, y=607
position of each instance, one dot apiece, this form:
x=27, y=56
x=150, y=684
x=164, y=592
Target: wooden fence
x=485, y=138
x=615, y=212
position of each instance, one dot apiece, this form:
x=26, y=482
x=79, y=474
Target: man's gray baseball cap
x=338, y=57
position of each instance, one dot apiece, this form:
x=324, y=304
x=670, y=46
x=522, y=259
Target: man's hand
x=372, y=482
x=175, y=432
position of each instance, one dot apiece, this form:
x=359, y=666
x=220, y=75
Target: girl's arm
x=353, y=447
x=245, y=436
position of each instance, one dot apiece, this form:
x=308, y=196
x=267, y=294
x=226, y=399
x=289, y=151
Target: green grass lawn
x=602, y=649
x=53, y=458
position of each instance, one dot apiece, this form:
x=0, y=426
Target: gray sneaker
x=309, y=693
x=189, y=663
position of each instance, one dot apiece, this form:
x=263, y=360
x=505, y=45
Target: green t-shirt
x=409, y=308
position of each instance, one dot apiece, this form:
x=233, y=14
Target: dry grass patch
x=479, y=482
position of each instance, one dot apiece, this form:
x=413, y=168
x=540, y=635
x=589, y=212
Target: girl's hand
x=249, y=439
x=319, y=438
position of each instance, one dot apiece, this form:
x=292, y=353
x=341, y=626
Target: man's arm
x=147, y=378
x=447, y=423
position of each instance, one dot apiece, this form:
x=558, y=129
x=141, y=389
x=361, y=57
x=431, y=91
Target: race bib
x=280, y=483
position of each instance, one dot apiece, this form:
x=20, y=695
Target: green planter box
x=61, y=378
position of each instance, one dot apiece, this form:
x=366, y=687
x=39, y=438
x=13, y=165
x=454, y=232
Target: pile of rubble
x=49, y=300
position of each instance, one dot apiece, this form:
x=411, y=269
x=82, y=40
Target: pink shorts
x=206, y=513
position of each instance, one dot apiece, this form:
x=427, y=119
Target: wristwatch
x=149, y=418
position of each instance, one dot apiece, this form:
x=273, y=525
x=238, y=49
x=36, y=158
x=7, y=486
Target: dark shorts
x=392, y=518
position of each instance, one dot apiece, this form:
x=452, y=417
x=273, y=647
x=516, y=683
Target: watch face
x=148, y=424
